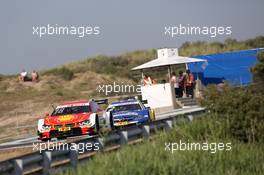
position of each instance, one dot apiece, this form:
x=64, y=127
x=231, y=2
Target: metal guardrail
x=46, y=162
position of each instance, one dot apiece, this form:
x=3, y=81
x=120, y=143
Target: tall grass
x=201, y=47
x=151, y=157
x=63, y=72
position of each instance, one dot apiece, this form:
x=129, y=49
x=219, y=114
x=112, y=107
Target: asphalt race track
x=28, y=142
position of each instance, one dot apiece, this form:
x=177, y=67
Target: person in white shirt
x=175, y=83
x=23, y=75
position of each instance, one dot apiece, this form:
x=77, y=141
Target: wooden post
x=169, y=72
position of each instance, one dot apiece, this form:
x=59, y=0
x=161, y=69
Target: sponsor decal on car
x=65, y=118
x=125, y=113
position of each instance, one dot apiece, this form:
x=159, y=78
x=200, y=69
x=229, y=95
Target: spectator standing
x=189, y=83
x=174, y=81
x=181, y=80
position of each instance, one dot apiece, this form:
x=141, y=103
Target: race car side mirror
x=47, y=115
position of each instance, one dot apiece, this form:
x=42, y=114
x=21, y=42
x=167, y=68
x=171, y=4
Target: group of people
x=183, y=83
x=23, y=76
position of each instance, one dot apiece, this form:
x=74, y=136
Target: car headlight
x=46, y=127
x=84, y=123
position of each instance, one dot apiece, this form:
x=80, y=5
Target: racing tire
x=111, y=121
x=97, y=126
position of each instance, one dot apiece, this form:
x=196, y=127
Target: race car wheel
x=97, y=127
x=111, y=121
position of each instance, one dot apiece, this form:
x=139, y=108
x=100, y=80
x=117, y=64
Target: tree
x=258, y=73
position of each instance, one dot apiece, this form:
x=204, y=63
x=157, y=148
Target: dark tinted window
x=71, y=110
x=130, y=107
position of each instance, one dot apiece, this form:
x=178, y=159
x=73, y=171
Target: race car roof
x=74, y=103
x=125, y=102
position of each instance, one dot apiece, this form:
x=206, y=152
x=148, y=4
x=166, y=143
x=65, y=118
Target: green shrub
x=260, y=56
x=258, y=74
x=240, y=109
x=64, y=72
x=59, y=93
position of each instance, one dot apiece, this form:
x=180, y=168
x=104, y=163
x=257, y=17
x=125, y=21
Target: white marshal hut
x=162, y=96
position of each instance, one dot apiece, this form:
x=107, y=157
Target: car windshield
x=130, y=107
x=71, y=110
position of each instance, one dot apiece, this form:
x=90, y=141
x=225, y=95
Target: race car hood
x=66, y=119
x=127, y=114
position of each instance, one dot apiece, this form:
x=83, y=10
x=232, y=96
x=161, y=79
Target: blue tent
x=233, y=67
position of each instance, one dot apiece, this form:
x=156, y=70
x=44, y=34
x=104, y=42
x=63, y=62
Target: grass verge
x=152, y=158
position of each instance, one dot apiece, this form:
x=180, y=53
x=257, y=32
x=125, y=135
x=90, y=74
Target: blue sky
x=124, y=26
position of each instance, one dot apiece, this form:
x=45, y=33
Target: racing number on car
x=65, y=129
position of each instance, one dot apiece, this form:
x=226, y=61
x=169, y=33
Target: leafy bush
x=240, y=109
x=260, y=56
x=65, y=73
x=258, y=74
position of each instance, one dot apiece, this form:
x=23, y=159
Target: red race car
x=70, y=119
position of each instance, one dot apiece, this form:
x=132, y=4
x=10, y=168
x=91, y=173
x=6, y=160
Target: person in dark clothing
x=181, y=83
x=189, y=83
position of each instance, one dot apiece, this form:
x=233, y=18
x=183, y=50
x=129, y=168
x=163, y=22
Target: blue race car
x=128, y=112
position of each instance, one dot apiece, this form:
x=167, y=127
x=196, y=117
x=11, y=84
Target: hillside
x=23, y=103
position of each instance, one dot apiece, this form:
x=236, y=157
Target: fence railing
x=47, y=161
